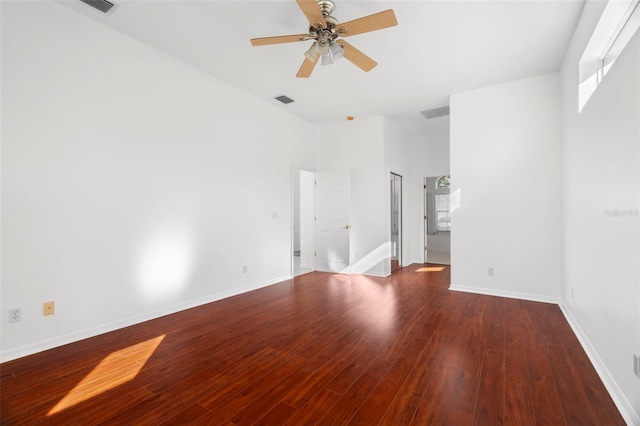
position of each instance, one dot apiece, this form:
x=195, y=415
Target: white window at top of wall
x=619, y=22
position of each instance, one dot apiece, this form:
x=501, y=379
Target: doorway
x=396, y=221
x=437, y=220
x=303, y=222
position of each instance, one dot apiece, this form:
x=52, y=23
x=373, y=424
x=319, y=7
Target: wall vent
x=284, y=99
x=101, y=5
x=435, y=112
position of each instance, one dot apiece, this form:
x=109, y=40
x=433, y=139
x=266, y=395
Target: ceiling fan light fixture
x=322, y=47
x=311, y=53
x=337, y=51
x=327, y=59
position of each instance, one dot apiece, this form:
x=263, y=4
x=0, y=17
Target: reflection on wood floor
x=323, y=349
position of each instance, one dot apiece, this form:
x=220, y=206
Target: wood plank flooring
x=322, y=349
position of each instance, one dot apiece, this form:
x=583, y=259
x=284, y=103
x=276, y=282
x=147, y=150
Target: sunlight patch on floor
x=342, y=277
x=431, y=269
x=115, y=369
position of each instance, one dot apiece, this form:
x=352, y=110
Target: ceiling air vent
x=101, y=5
x=435, y=112
x=284, y=99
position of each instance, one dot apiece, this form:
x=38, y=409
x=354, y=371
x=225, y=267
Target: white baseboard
x=623, y=404
x=32, y=348
x=502, y=293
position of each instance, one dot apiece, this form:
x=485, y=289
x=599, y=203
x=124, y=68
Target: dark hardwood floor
x=323, y=349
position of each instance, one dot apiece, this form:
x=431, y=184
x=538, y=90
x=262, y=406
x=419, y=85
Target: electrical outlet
x=15, y=315
x=244, y=269
x=636, y=365
x=490, y=272
x=48, y=308
x=572, y=293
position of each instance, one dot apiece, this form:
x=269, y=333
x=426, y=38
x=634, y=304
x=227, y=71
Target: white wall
x=506, y=168
x=397, y=160
x=440, y=243
x=601, y=285
x=132, y=185
x=435, y=160
x=372, y=148
x=359, y=146
x=428, y=155
x=419, y=155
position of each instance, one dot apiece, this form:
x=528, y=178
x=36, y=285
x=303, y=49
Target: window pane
x=443, y=216
x=628, y=27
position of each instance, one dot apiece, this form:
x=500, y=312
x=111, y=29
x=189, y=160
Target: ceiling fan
x=324, y=29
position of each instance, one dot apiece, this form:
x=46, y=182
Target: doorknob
x=347, y=227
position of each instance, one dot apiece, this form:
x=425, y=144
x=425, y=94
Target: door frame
x=400, y=224
x=425, y=223
x=295, y=176
x=430, y=197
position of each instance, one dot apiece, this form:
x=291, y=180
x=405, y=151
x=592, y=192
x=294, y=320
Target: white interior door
x=333, y=210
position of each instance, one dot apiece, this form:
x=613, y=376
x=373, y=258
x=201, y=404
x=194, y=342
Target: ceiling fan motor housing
x=326, y=7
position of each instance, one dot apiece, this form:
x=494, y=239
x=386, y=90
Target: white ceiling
x=438, y=48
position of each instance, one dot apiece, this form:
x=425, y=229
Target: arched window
x=443, y=182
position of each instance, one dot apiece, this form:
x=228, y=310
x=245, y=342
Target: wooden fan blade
x=374, y=22
x=361, y=60
x=312, y=12
x=307, y=67
x=279, y=39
